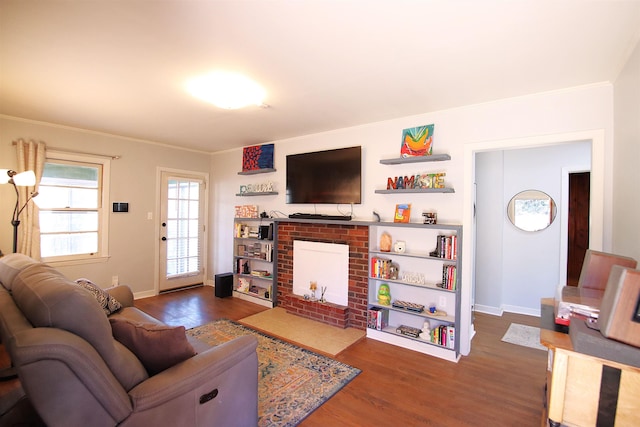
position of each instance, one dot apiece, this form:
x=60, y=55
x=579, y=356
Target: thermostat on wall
x=120, y=207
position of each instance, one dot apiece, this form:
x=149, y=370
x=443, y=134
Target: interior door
x=578, y=226
x=181, y=230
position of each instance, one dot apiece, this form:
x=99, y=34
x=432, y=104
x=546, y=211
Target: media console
x=320, y=216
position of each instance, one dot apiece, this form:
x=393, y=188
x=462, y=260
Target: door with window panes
x=181, y=231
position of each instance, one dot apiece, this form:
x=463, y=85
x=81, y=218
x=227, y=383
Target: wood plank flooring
x=498, y=384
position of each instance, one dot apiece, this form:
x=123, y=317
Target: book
x=372, y=317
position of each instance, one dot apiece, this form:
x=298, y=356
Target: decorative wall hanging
x=257, y=157
x=417, y=141
x=424, y=180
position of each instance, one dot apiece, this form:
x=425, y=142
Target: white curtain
x=31, y=156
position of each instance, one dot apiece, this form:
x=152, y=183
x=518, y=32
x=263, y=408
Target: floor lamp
x=23, y=179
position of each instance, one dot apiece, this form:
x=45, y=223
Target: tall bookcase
x=425, y=280
x=254, y=256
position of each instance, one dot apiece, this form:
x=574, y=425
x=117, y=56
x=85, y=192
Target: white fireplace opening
x=327, y=264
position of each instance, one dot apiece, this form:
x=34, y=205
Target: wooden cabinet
x=254, y=272
x=424, y=279
x=584, y=390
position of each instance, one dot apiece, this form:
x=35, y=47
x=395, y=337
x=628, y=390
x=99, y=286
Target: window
x=72, y=203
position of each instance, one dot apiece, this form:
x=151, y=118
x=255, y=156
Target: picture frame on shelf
x=257, y=157
x=417, y=141
x=403, y=213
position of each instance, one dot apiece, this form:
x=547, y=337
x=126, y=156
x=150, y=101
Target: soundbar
x=320, y=216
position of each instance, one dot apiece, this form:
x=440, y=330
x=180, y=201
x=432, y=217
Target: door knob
x=164, y=238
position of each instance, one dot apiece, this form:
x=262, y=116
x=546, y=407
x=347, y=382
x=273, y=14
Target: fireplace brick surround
x=357, y=237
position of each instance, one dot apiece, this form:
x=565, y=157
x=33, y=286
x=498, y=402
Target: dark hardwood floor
x=498, y=384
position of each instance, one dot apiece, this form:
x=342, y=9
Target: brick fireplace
x=353, y=315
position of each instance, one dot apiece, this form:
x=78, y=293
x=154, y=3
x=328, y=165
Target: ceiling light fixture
x=227, y=90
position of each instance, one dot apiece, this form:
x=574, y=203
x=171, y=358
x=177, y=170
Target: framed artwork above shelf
x=416, y=190
x=416, y=159
x=256, y=171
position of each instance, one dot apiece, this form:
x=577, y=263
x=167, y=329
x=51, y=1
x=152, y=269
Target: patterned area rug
x=527, y=336
x=292, y=381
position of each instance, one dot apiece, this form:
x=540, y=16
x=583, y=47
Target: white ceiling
x=120, y=66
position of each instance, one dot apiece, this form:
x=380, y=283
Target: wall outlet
x=443, y=302
x=114, y=281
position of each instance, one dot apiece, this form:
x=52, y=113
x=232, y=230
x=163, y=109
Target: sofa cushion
x=108, y=303
x=157, y=346
x=47, y=299
x=11, y=265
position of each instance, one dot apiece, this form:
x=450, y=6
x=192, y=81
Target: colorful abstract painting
x=257, y=157
x=417, y=141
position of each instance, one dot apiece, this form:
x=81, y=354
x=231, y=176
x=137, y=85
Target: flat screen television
x=330, y=176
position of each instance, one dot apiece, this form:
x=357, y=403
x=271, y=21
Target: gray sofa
x=75, y=373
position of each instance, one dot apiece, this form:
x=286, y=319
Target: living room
x=603, y=112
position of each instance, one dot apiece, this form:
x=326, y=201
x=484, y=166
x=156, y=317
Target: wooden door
x=578, y=227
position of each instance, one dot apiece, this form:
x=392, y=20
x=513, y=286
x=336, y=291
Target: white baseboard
x=499, y=311
x=521, y=310
x=487, y=309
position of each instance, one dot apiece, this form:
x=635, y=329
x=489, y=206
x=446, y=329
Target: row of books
x=446, y=247
x=444, y=335
x=380, y=268
x=262, y=251
x=377, y=318
x=449, y=277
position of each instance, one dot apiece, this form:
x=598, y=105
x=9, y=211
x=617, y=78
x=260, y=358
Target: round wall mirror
x=531, y=210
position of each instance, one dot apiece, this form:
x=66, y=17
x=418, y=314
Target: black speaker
x=263, y=232
x=224, y=285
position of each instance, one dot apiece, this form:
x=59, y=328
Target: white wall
x=626, y=171
x=516, y=268
x=133, y=238
x=572, y=110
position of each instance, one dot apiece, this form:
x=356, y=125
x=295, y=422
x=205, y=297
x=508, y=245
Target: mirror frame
x=530, y=197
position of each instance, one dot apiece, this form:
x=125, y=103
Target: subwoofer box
x=223, y=285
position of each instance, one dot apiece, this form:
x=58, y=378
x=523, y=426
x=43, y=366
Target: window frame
x=102, y=253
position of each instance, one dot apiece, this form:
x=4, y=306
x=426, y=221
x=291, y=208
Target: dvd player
x=320, y=216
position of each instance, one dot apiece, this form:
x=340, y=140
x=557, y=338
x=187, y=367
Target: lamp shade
x=4, y=176
x=25, y=179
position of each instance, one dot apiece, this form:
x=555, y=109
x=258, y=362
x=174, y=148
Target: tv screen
x=331, y=176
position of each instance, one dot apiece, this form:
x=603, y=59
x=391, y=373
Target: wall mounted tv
x=330, y=176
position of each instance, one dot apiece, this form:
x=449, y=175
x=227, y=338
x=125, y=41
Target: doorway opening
x=578, y=224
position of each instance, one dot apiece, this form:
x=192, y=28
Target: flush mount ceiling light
x=226, y=90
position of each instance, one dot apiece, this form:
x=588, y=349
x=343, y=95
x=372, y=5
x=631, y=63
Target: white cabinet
x=425, y=295
x=254, y=272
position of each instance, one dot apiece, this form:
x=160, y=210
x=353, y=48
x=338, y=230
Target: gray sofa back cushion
x=11, y=265
x=48, y=299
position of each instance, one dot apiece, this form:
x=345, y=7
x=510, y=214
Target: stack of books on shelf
x=449, y=276
x=260, y=273
x=380, y=267
x=377, y=318
x=443, y=335
x=446, y=247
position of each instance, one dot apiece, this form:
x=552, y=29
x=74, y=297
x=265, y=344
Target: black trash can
x=223, y=285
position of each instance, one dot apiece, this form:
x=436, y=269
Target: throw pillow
x=108, y=303
x=157, y=346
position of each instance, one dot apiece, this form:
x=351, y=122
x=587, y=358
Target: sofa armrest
x=123, y=294
x=218, y=386
x=66, y=379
